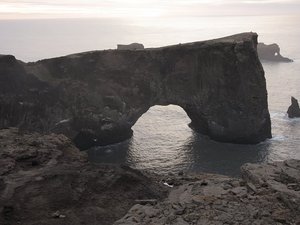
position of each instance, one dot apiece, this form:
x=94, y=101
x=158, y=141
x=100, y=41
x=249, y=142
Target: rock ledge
x=45, y=180
x=267, y=194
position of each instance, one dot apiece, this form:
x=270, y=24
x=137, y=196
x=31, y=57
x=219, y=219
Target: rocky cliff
x=96, y=97
x=45, y=179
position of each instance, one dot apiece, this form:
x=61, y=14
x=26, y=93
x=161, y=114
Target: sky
x=142, y=9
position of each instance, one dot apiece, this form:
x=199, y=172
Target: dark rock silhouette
x=294, y=110
x=133, y=46
x=271, y=53
x=96, y=97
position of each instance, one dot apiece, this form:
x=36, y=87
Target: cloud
x=141, y=8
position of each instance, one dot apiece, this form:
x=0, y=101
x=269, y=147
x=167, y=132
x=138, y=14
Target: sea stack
x=271, y=53
x=294, y=110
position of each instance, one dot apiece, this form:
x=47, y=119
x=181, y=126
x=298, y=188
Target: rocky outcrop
x=294, y=110
x=132, y=46
x=45, y=179
x=96, y=97
x=268, y=194
x=271, y=53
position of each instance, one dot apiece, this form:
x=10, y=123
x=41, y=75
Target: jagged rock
x=282, y=177
x=225, y=200
x=271, y=53
x=96, y=97
x=64, y=189
x=294, y=110
x=133, y=46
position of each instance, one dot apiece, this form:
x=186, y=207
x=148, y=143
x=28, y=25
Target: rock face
x=271, y=53
x=294, y=110
x=45, y=179
x=268, y=194
x=133, y=46
x=96, y=97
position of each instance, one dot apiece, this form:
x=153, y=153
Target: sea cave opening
x=159, y=137
x=163, y=123
x=163, y=143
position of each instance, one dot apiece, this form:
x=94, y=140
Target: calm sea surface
x=162, y=140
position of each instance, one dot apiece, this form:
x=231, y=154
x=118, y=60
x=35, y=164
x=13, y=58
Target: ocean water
x=162, y=141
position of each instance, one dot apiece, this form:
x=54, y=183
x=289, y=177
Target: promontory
x=96, y=97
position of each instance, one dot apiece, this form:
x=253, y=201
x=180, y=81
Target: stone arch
x=101, y=94
x=159, y=116
x=271, y=53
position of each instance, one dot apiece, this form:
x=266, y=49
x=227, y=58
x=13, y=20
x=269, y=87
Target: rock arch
x=98, y=96
x=271, y=53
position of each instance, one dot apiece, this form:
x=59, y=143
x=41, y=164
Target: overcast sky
x=142, y=9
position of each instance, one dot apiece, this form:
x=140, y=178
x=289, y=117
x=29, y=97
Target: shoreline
x=45, y=179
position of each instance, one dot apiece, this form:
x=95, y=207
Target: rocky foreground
x=267, y=194
x=45, y=180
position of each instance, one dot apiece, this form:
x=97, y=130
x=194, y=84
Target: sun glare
x=127, y=9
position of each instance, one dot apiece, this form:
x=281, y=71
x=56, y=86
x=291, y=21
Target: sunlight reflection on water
x=163, y=142
x=162, y=145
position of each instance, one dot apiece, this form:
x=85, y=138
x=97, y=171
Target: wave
x=282, y=116
x=278, y=138
x=278, y=115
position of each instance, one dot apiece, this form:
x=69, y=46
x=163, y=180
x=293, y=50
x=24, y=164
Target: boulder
x=294, y=110
x=265, y=194
x=45, y=179
x=63, y=188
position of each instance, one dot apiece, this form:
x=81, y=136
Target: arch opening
x=162, y=119
x=163, y=142
x=159, y=142
x=159, y=137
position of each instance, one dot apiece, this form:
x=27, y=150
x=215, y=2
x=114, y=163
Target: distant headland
x=271, y=53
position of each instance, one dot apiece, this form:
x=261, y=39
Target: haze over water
x=162, y=140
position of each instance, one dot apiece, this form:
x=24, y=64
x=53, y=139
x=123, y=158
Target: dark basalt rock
x=265, y=194
x=294, y=110
x=64, y=188
x=96, y=97
x=132, y=46
x=271, y=53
